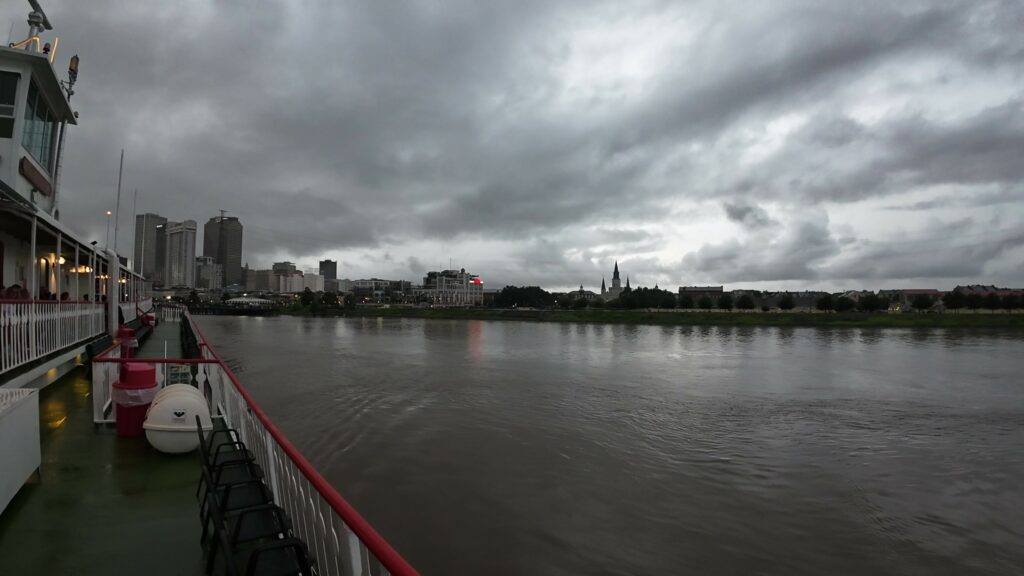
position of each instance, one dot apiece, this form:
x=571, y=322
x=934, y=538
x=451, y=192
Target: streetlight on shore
x=108, y=230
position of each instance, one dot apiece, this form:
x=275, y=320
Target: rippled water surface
x=527, y=448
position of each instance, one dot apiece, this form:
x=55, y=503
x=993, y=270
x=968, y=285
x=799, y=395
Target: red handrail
x=376, y=543
x=155, y=360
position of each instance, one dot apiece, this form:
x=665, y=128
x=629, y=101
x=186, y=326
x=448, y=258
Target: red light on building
x=477, y=281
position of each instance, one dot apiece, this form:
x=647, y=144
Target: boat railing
x=104, y=374
x=169, y=312
x=34, y=329
x=339, y=538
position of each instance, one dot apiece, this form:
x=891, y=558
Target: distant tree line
x=634, y=298
x=866, y=303
x=524, y=297
x=655, y=298
x=957, y=300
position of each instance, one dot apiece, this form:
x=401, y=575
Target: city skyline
x=787, y=145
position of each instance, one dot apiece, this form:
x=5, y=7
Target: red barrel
x=128, y=342
x=132, y=396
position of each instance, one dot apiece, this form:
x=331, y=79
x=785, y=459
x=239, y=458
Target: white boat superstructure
x=58, y=290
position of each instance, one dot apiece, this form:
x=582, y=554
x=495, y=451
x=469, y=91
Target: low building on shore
x=451, y=288
x=698, y=292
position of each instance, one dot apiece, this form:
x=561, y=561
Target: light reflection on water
x=529, y=448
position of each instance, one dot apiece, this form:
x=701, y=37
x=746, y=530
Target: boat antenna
x=37, y=20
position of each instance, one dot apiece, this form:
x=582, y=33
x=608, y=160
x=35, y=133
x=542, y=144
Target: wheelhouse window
x=40, y=129
x=8, y=90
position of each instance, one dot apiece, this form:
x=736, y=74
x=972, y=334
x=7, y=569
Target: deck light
x=73, y=69
x=69, y=86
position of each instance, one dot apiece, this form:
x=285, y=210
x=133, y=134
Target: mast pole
x=135, y=231
x=117, y=206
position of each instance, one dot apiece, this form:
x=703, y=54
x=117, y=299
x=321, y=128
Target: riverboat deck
x=102, y=504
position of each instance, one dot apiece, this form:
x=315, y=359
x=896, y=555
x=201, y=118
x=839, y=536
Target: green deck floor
x=103, y=504
x=165, y=336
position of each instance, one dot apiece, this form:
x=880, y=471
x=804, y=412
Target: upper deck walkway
x=166, y=337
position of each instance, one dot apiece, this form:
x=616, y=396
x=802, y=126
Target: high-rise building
x=222, y=241
x=180, y=263
x=329, y=269
x=208, y=274
x=150, y=247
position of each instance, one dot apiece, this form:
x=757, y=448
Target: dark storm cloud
x=949, y=250
x=795, y=253
x=544, y=140
x=748, y=215
x=839, y=160
x=808, y=251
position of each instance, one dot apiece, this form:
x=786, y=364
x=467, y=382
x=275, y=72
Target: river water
x=532, y=448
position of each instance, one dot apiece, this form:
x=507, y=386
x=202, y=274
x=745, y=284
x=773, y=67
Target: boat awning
x=13, y=202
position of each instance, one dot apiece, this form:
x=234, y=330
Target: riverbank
x=694, y=318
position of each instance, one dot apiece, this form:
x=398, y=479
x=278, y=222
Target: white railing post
x=57, y=264
x=268, y=442
x=354, y=552
x=33, y=288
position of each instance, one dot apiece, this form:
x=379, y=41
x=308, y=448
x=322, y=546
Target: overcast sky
x=775, y=144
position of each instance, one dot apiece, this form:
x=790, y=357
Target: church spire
x=615, y=274
x=627, y=281
x=603, y=289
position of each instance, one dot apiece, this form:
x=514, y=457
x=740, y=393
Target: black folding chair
x=239, y=508
x=249, y=526
x=231, y=463
x=230, y=498
x=285, y=557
